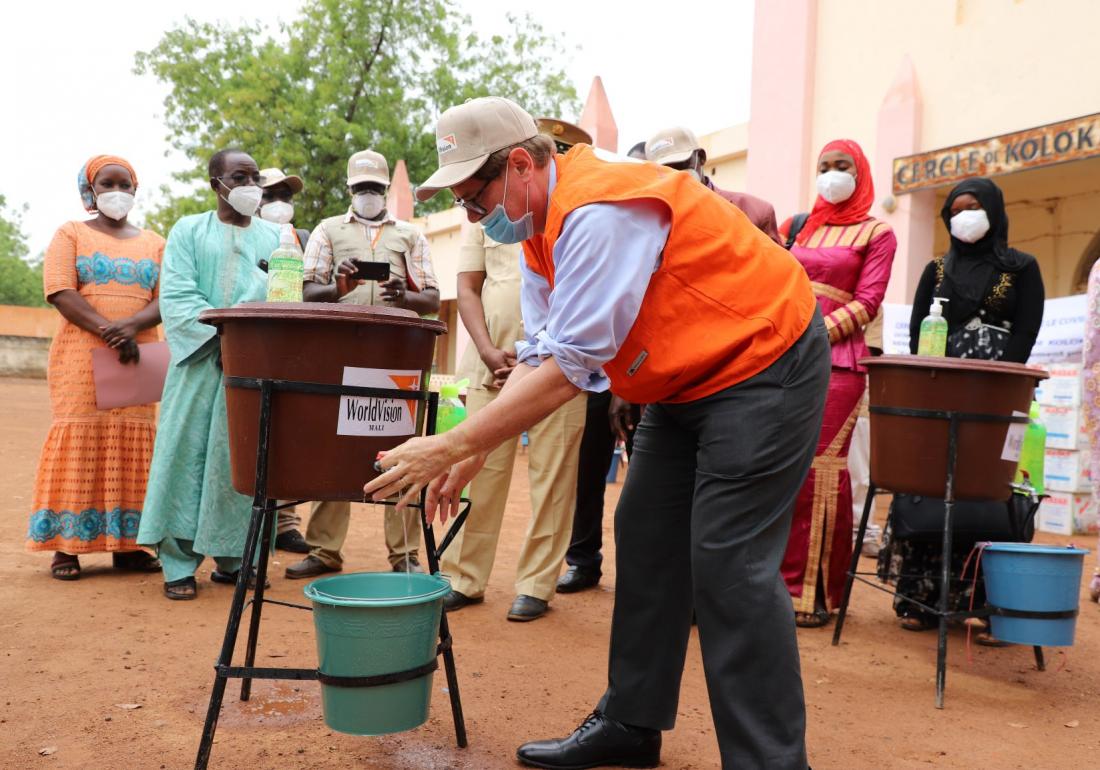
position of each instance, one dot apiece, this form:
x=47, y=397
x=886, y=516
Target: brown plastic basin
x=309, y=459
x=909, y=454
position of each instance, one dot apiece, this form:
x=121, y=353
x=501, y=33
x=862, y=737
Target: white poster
x=1062, y=336
x=360, y=416
x=895, y=328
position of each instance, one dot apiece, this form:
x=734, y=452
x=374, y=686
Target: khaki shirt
x=499, y=297
x=348, y=236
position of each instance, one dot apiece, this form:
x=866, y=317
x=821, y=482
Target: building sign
x=1075, y=139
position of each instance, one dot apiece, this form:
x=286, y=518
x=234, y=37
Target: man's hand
x=618, y=414
x=394, y=290
x=500, y=362
x=345, y=283
x=118, y=333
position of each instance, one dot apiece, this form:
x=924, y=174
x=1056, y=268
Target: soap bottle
x=451, y=411
x=933, y=331
x=285, y=269
x=1033, y=451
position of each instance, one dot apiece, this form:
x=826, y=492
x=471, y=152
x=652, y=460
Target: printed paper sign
x=1014, y=441
x=361, y=416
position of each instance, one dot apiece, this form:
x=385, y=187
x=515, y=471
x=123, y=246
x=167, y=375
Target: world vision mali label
x=362, y=416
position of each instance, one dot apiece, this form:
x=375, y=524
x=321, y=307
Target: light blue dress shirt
x=603, y=261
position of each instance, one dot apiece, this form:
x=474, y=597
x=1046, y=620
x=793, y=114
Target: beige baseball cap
x=368, y=166
x=466, y=135
x=269, y=177
x=563, y=132
x=671, y=145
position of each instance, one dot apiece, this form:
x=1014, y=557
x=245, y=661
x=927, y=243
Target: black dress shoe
x=526, y=608
x=455, y=600
x=577, y=579
x=309, y=567
x=292, y=541
x=599, y=742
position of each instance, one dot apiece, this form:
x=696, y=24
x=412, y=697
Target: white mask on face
x=970, y=226
x=368, y=204
x=836, y=186
x=115, y=204
x=279, y=212
x=245, y=199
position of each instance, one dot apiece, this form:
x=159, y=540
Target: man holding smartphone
x=365, y=256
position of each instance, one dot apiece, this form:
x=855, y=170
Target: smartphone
x=371, y=271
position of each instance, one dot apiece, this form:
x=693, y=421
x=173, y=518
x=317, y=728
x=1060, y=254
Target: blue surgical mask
x=501, y=229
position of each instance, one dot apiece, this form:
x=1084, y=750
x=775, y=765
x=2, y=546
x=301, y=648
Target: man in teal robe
x=211, y=260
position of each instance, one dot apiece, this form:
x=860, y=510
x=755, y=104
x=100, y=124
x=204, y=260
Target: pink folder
x=131, y=384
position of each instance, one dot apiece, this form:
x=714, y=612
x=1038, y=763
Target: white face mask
x=115, y=204
x=368, y=204
x=279, y=212
x=970, y=226
x=836, y=186
x=245, y=199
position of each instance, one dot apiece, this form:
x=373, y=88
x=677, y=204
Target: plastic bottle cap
x=452, y=389
x=287, y=237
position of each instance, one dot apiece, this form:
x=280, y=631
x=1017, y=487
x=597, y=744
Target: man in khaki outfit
x=366, y=233
x=488, y=301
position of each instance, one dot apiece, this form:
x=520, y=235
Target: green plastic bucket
x=374, y=623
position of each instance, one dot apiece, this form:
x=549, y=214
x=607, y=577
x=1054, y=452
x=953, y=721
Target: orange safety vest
x=725, y=303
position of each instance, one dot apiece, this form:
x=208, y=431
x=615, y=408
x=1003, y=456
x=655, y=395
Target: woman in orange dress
x=101, y=275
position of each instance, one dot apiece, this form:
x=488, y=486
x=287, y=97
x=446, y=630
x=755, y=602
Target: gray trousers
x=703, y=522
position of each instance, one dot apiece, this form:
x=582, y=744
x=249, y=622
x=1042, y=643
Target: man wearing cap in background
x=678, y=148
x=366, y=232
x=277, y=206
x=489, y=303
x=640, y=278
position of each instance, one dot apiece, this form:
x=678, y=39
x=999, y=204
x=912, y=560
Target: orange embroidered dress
x=91, y=477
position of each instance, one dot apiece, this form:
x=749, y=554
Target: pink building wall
x=784, y=45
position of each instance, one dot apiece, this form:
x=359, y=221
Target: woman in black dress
x=994, y=311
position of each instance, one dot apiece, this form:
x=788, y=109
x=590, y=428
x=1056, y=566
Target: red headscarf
x=855, y=209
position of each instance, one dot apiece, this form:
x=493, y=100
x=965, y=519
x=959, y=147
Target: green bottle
x=285, y=269
x=933, y=331
x=1033, y=451
x=451, y=410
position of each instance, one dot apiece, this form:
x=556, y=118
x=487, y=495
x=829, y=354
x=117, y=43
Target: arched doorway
x=1084, y=266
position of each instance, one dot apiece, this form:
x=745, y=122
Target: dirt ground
x=71, y=653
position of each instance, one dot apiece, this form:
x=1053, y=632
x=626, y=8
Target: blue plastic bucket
x=1033, y=578
x=373, y=623
x=613, y=471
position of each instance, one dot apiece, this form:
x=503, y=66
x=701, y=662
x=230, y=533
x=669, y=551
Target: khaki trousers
x=328, y=528
x=286, y=519
x=554, y=446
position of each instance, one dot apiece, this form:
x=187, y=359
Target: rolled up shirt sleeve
x=603, y=261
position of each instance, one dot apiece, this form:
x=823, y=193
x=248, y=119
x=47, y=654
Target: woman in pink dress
x=847, y=254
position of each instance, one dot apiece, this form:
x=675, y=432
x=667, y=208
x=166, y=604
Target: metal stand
x=953, y=420
x=260, y=527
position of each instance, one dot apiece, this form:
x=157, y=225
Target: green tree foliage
x=20, y=281
x=342, y=77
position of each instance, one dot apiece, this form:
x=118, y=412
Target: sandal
x=135, y=561
x=917, y=622
x=184, y=589
x=987, y=639
x=815, y=619
x=65, y=566
x=230, y=578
